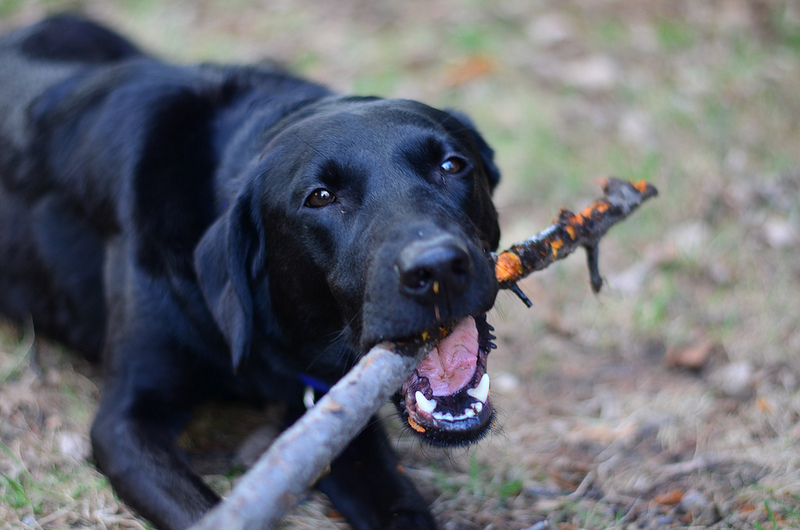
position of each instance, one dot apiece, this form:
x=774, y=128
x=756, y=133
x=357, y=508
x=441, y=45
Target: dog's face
x=383, y=216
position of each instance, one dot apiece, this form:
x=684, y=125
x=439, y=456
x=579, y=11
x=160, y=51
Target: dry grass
x=669, y=400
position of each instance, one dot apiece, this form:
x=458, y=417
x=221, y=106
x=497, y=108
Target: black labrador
x=233, y=232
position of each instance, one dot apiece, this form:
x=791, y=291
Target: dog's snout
x=437, y=268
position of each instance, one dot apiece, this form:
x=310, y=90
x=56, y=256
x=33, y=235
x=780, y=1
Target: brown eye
x=451, y=166
x=319, y=198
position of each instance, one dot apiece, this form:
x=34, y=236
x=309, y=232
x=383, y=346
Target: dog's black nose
x=435, y=268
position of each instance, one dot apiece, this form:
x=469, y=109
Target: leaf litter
x=671, y=399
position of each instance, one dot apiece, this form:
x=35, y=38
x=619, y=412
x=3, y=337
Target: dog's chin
x=446, y=400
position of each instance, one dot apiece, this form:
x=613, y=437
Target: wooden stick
x=570, y=231
x=302, y=453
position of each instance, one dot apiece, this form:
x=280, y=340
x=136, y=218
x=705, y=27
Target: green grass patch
x=674, y=35
x=509, y=489
x=16, y=485
x=471, y=39
x=9, y=7
x=653, y=311
x=610, y=32
x=14, y=492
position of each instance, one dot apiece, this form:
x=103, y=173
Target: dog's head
x=366, y=220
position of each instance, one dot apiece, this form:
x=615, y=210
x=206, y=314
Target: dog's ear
x=227, y=259
x=486, y=152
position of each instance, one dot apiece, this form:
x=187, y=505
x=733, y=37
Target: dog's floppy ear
x=226, y=260
x=486, y=152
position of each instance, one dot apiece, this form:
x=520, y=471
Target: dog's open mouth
x=446, y=399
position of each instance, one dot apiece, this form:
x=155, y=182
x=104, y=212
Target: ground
x=669, y=400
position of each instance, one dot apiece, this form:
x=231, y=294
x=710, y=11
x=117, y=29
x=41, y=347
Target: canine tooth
x=477, y=407
x=425, y=404
x=481, y=392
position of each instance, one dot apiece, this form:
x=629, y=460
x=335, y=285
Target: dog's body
x=228, y=232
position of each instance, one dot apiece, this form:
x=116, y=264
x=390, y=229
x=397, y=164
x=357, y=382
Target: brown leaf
x=474, y=67
x=692, y=357
x=670, y=498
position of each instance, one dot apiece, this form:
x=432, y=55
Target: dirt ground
x=669, y=400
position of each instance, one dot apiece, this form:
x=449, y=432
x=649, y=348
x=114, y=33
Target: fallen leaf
x=670, y=498
x=474, y=67
x=692, y=357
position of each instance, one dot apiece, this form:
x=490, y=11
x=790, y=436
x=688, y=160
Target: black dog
x=218, y=232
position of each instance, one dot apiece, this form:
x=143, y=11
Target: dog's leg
x=136, y=449
x=368, y=486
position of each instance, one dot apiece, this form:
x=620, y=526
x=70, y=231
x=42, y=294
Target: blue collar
x=313, y=386
x=317, y=384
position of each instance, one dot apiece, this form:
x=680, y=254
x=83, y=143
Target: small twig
x=700, y=463
x=584, y=486
x=570, y=231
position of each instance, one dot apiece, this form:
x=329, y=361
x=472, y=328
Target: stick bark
x=570, y=231
x=301, y=454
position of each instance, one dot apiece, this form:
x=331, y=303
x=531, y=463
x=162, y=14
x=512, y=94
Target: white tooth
x=481, y=392
x=477, y=407
x=424, y=404
x=469, y=413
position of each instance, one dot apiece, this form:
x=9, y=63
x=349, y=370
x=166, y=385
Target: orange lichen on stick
x=414, y=425
x=508, y=267
x=569, y=231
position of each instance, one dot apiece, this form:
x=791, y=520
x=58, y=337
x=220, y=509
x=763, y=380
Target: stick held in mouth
x=301, y=453
x=570, y=231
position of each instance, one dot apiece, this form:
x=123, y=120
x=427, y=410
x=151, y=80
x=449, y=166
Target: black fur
x=157, y=216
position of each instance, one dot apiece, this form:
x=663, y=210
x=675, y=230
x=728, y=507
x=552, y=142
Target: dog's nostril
x=419, y=278
x=437, y=268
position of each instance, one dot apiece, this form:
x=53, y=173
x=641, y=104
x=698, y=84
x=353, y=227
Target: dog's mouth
x=446, y=399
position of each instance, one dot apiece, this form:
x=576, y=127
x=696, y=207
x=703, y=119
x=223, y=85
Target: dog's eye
x=319, y=198
x=452, y=166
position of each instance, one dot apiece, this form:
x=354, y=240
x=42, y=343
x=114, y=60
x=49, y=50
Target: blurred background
x=671, y=399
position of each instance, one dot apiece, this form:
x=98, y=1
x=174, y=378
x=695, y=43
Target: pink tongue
x=451, y=365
